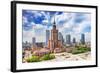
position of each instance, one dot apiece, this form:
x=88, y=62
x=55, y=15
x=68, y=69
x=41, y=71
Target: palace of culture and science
x=54, y=42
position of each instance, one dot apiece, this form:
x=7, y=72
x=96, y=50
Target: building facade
x=68, y=39
x=82, y=39
x=47, y=36
x=60, y=37
x=53, y=41
x=33, y=41
x=74, y=40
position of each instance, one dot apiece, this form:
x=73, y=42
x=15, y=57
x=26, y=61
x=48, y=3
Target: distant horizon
x=35, y=23
x=44, y=42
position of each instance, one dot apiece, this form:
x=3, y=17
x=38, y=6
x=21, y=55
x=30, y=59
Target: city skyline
x=35, y=24
x=68, y=39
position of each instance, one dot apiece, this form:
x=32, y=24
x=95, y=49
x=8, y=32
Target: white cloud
x=45, y=22
x=24, y=20
x=75, y=29
x=81, y=26
x=88, y=36
x=38, y=31
x=66, y=17
x=27, y=35
x=68, y=27
x=35, y=13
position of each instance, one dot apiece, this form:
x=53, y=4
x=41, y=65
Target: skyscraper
x=54, y=37
x=82, y=39
x=54, y=42
x=47, y=36
x=60, y=37
x=33, y=41
x=68, y=39
x=74, y=40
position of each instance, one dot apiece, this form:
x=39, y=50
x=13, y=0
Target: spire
x=54, y=24
x=54, y=21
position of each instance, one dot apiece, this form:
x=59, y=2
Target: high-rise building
x=82, y=39
x=68, y=39
x=47, y=36
x=74, y=40
x=60, y=37
x=54, y=37
x=26, y=45
x=33, y=41
x=54, y=42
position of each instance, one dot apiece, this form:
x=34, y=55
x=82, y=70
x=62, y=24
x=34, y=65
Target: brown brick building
x=53, y=41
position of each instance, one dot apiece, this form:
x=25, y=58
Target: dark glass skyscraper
x=47, y=36
x=33, y=41
x=74, y=40
x=60, y=37
x=82, y=39
x=68, y=39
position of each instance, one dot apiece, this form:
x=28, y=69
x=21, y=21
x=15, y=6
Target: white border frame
x=21, y=66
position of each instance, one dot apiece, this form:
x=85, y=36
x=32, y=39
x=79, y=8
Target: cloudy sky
x=36, y=22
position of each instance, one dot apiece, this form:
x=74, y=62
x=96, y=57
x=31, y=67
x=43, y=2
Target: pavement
x=72, y=57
